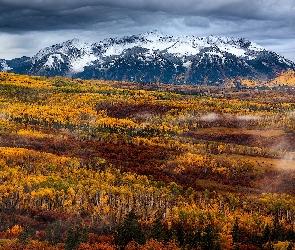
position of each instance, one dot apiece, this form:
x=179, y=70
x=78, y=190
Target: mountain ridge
x=155, y=57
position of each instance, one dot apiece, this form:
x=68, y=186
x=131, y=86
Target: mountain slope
x=153, y=57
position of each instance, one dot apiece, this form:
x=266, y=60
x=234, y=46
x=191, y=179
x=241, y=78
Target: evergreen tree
x=129, y=230
x=158, y=231
x=192, y=239
x=209, y=239
x=179, y=233
x=25, y=235
x=278, y=230
x=290, y=235
x=53, y=233
x=236, y=232
x=266, y=234
x=75, y=236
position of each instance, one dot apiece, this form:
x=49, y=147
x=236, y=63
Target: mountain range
x=155, y=57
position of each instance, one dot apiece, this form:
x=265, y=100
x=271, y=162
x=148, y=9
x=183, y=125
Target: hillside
x=94, y=164
x=154, y=57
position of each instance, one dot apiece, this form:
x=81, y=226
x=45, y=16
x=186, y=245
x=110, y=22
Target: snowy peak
x=178, y=45
x=73, y=48
x=154, y=56
x=152, y=41
x=75, y=53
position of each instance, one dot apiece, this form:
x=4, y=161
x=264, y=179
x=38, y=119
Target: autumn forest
x=104, y=165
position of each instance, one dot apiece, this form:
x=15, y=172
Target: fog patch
x=287, y=162
x=212, y=117
x=248, y=117
x=143, y=116
x=281, y=145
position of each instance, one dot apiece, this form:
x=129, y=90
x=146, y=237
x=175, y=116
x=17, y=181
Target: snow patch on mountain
x=52, y=60
x=232, y=50
x=79, y=64
x=187, y=64
x=183, y=49
x=4, y=66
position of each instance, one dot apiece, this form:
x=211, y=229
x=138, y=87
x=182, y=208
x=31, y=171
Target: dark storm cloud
x=53, y=20
x=68, y=14
x=47, y=19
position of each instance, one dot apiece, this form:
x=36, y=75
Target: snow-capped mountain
x=154, y=57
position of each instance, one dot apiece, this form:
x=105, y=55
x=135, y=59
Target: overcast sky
x=26, y=26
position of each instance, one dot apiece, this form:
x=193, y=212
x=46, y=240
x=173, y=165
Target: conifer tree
x=129, y=230
x=278, y=230
x=236, y=232
x=157, y=231
x=266, y=234
x=25, y=235
x=75, y=236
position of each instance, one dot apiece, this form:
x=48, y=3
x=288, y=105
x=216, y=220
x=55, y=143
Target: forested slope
x=107, y=162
